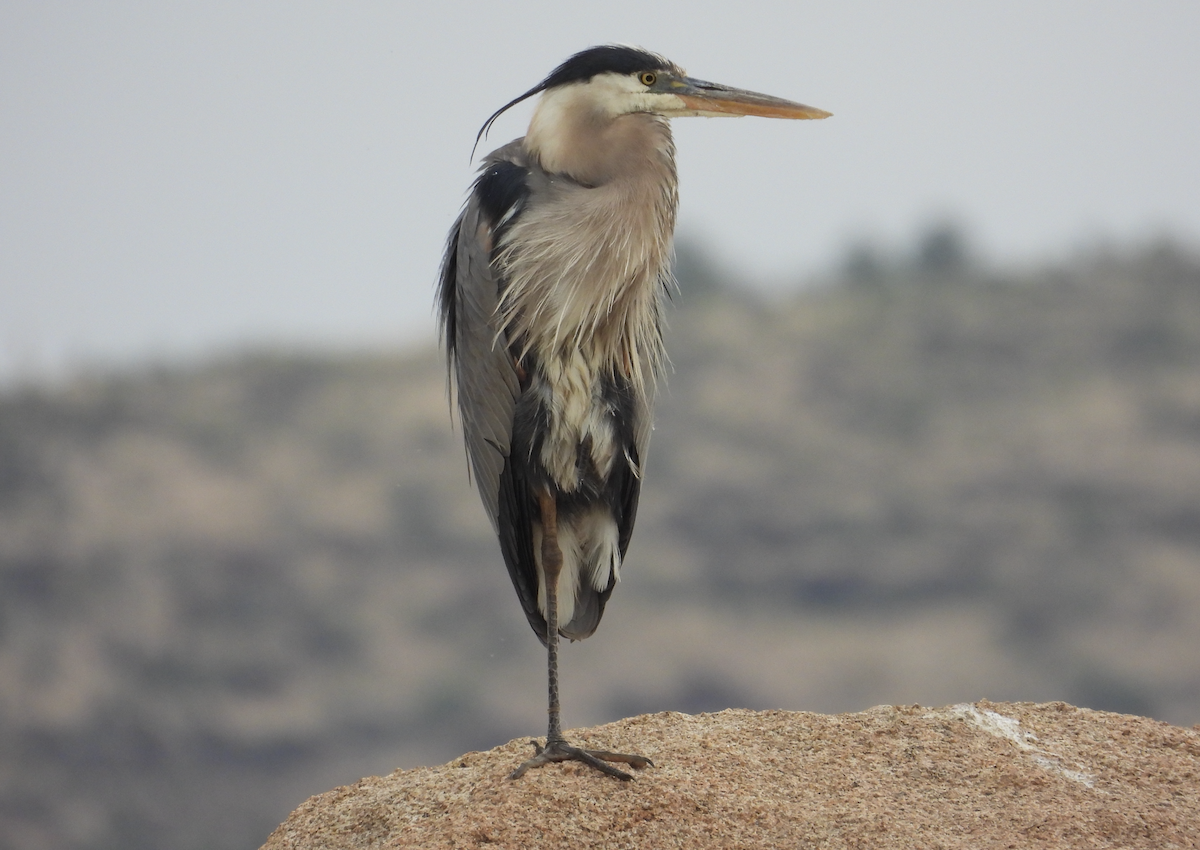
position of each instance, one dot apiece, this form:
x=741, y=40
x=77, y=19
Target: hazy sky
x=179, y=178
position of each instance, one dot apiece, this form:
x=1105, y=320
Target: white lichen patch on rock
x=1009, y=728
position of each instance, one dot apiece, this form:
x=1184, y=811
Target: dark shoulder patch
x=502, y=190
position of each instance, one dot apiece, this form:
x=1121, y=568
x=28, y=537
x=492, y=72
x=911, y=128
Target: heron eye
x=648, y=78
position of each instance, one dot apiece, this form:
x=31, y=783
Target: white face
x=611, y=95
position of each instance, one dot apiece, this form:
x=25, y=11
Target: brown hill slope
x=983, y=775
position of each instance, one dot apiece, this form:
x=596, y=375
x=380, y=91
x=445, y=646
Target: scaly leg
x=557, y=749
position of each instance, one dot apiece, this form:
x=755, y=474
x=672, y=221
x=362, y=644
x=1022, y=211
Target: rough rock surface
x=981, y=775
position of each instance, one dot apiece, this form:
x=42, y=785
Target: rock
x=971, y=775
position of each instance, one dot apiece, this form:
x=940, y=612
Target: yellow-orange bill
x=716, y=99
x=785, y=109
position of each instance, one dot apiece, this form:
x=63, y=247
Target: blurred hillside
x=228, y=587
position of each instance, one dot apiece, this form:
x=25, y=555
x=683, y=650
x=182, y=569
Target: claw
x=562, y=751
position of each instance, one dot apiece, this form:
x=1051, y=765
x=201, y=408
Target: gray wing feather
x=486, y=378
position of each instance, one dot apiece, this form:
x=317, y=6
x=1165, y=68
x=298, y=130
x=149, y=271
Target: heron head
x=613, y=80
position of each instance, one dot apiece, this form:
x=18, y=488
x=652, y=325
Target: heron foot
x=560, y=750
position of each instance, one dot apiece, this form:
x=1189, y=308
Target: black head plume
x=608, y=58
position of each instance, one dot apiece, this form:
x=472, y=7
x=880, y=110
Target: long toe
x=555, y=751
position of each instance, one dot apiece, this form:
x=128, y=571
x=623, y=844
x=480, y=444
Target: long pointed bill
x=713, y=100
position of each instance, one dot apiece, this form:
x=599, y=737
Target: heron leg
x=551, y=568
x=557, y=748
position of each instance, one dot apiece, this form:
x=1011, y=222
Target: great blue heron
x=550, y=302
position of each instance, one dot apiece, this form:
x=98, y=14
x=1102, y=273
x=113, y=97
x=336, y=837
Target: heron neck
x=594, y=148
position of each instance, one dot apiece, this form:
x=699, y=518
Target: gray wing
x=484, y=371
